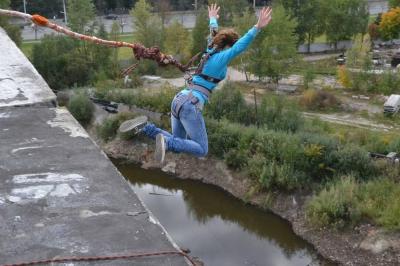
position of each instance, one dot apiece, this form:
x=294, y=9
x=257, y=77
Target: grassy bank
x=279, y=150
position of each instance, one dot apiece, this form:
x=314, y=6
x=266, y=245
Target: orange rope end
x=39, y=20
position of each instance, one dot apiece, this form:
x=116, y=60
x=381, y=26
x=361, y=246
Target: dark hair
x=224, y=38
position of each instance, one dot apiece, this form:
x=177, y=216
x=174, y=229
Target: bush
x=318, y=100
x=354, y=160
x=236, y=159
x=108, y=130
x=275, y=176
x=229, y=103
x=334, y=206
x=81, y=108
x=223, y=136
x=278, y=114
x=379, y=200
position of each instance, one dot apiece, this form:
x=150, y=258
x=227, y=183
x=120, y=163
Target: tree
x=358, y=55
x=200, y=32
x=344, y=19
x=229, y=8
x=12, y=30
x=243, y=23
x=100, y=55
x=177, y=41
x=394, y=3
x=80, y=13
x=147, y=26
x=277, y=52
x=390, y=24
x=309, y=17
x=114, y=35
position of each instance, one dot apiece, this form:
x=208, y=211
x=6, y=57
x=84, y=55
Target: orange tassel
x=39, y=20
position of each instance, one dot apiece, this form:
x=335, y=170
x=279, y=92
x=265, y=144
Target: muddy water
x=215, y=226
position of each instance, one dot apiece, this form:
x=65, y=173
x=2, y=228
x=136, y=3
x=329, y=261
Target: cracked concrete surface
x=59, y=195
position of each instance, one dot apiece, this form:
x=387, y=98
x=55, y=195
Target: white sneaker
x=159, y=153
x=137, y=124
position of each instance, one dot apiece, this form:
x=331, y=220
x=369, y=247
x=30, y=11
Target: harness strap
x=209, y=78
x=201, y=89
x=180, y=100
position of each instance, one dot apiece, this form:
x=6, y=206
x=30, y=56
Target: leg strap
x=180, y=100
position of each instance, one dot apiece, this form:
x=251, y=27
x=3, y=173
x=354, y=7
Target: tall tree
x=390, y=24
x=13, y=31
x=177, y=41
x=229, y=8
x=344, y=19
x=114, y=35
x=200, y=32
x=148, y=28
x=243, y=22
x=394, y=3
x=80, y=13
x=309, y=17
x=278, y=49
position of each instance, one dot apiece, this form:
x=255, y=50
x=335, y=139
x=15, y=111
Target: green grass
x=125, y=53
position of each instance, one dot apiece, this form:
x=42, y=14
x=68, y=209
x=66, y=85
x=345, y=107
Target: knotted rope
x=139, y=51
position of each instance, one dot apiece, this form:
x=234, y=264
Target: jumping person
x=188, y=128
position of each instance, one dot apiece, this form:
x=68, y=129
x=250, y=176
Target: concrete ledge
x=20, y=83
x=61, y=196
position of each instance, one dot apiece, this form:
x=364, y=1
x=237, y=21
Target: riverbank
x=363, y=245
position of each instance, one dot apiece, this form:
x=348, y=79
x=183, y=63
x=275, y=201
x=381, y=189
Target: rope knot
x=39, y=20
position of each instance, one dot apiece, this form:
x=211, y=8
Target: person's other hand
x=265, y=17
x=213, y=11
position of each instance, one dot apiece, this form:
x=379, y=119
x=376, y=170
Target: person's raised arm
x=241, y=45
x=213, y=16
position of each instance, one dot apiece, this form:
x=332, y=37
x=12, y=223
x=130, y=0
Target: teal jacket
x=217, y=65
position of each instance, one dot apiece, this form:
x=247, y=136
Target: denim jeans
x=189, y=133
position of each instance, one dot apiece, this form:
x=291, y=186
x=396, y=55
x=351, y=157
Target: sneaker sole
x=159, y=153
x=132, y=124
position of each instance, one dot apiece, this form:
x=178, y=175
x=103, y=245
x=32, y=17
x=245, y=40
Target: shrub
x=108, y=130
x=223, y=136
x=318, y=100
x=335, y=205
x=380, y=200
x=344, y=77
x=354, y=160
x=255, y=165
x=229, y=103
x=236, y=159
x=275, y=176
x=278, y=114
x=81, y=108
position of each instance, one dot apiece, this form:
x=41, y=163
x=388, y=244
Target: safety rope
x=103, y=258
x=139, y=51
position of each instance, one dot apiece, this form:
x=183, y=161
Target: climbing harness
x=181, y=98
x=199, y=69
x=139, y=51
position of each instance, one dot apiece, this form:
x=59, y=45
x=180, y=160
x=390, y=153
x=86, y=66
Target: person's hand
x=213, y=11
x=265, y=18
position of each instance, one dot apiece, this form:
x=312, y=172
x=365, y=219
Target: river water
x=218, y=228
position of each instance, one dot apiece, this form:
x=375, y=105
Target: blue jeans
x=189, y=133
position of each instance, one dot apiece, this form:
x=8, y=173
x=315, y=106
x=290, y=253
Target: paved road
x=187, y=19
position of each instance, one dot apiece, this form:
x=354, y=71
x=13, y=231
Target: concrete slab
x=20, y=83
x=61, y=196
